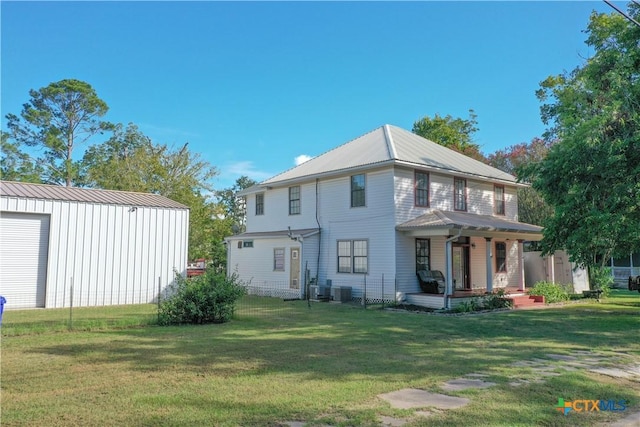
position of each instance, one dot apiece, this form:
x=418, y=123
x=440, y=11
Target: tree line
x=64, y=115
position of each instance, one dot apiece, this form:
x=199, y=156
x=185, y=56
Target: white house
x=62, y=246
x=372, y=212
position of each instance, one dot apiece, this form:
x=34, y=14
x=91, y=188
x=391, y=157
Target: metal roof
x=391, y=145
x=467, y=221
x=75, y=194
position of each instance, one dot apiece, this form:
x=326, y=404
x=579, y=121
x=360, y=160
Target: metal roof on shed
x=86, y=195
x=392, y=145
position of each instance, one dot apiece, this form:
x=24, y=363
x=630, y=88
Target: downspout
x=447, y=248
x=319, y=239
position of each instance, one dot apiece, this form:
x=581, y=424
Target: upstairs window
x=459, y=194
x=501, y=257
x=357, y=190
x=498, y=199
x=421, y=185
x=260, y=204
x=294, y=200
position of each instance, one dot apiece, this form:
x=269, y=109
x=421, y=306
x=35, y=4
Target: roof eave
x=448, y=171
x=267, y=185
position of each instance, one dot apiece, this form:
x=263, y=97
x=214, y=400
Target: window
x=357, y=190
x=247, y=244
x=459, y=194
x=501, y=257
x=294, y=200
x=278, y=259
x=421, y=185
x=353, y=256
x=422, y=254
x=498, y=199
x=260, y=204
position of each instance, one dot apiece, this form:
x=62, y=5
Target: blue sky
x=254, y=85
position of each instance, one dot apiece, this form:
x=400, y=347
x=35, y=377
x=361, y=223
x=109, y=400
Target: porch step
x=520, y=301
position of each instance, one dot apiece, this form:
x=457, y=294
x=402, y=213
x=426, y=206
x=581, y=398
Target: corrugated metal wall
x=113, y=254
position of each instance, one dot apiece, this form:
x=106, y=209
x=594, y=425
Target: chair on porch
x=431, y=281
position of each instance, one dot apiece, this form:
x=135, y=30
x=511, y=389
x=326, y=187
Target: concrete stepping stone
x=617, y=373
x=392, y=422
x=414, y=398
x=562, y=357
x=632, y=420
x=465, y=383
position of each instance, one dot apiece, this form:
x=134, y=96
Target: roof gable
x=392, y=145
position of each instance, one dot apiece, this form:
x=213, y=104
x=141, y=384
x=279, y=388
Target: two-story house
x=374, y=211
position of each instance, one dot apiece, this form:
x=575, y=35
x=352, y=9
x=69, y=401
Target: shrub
x=209, y=298
x=601, y=279
x=468, y=306
x=496, y=300
x=552, y=292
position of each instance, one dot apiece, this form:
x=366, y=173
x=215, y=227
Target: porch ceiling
x=439, y=223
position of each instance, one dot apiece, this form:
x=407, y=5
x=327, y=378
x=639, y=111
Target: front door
x=294, y=278
x=460, y=257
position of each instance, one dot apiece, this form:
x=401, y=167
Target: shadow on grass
x=329, y=341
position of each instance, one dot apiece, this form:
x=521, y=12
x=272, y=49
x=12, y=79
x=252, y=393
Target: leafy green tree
x=591, y=176
x=130, y=161
x=532, y=208
x=16, y=165
x=57, y=119
x=234, y=206
x=454, y=133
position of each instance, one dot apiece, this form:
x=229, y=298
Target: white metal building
x=62, y=246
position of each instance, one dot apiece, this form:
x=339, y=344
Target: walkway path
x=534, y=371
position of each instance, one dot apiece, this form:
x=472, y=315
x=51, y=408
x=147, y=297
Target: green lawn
x=282, y=361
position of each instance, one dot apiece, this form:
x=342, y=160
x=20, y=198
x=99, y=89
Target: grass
x=282, y=361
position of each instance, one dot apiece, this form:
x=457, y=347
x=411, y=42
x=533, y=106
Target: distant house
x=375, y=211
x=62, y=246
x=623, y=267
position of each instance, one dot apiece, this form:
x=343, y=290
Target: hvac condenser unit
x=341, y=293
x=320, y=293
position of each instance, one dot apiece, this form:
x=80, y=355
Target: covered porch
x=477, y=254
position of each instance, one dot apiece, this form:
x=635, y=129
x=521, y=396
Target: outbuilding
x=87, y=247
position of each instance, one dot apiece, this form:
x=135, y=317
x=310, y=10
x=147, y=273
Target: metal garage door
x=24, y=243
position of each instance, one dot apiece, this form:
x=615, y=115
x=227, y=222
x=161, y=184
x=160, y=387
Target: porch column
x=521, y=285
x=489, y=262
x=449, y=288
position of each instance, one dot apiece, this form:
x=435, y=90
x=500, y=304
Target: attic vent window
x=247, y=244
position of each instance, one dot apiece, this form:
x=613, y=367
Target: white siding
x=112, y=255
x=480, y=196
x=510, y=277
x=276, y=210
x=374, y=222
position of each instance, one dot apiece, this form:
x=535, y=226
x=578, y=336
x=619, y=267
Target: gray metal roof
x=467, y=221
x=391, y=145
x=74, y=194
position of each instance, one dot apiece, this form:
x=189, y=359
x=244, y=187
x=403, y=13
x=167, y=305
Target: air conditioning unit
x=341, y=293
x=319, y=293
